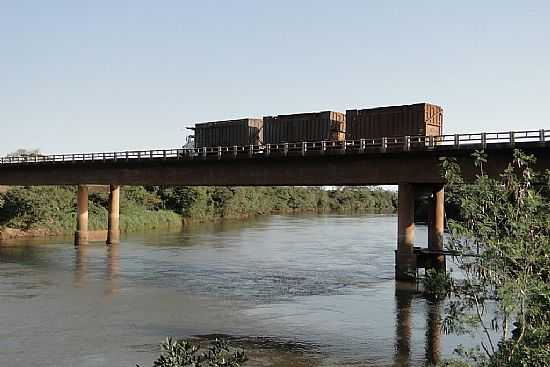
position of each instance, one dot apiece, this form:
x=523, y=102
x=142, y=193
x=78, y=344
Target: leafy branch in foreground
x=505, y=223
x=181, y=353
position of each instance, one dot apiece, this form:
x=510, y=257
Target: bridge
x=412, y=162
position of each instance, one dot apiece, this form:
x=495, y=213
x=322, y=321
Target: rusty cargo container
x=314, y=126
x=228, y=133
x=417, y=119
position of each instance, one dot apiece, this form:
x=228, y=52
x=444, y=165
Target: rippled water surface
x=295, y=291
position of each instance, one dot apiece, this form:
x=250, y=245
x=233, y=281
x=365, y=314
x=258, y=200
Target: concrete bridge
x=412, y=162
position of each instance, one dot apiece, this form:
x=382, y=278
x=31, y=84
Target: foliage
x=26, y=207
x=437, y=284
x=181, y=353
x=203, y=203
x=24, y=152
x=54, y=207
x=139, y=196
x=506, y=220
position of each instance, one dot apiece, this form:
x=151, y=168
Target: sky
x=92, y=76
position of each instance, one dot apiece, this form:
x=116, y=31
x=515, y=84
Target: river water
x=292, y=290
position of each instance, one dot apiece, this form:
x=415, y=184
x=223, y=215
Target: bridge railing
x=380, y=145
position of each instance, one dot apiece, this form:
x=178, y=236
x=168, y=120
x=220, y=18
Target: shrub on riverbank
x=504, y=292
x=181, y=353
x=54, y=207
x=236, y=202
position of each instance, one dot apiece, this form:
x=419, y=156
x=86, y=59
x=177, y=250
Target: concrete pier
x=436, y=226
x=405, y=259
x=81, y=234
x=113, y=229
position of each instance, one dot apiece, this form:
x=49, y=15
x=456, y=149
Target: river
x=292, y=290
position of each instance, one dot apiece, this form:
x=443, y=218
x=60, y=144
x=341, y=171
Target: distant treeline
x=54, y=207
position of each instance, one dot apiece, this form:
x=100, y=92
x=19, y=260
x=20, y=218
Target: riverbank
x=51, y=210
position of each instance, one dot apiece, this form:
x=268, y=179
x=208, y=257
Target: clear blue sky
x=115, y=75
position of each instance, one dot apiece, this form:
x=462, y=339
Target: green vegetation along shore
x=50, y=210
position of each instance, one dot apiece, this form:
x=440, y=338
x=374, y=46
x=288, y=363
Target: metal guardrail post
x=126, y=156
x=384, y=146
x=512, y=138
x=251, y=151
x=164, y=154
x=407, y=143
x=457, y=141
x=362, y=145
x=268, y=150
x=304, y=148
x=285, y=149
x=203, y=152
x=541, y=136
x=484, y=140
x=344, y=147
x=431, y=142
x=323, y=147
x=235, y=151
x=219, y=152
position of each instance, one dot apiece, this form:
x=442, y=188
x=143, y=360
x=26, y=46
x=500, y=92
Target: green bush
x=505, y=221
x=437, y=284
x=181, y=353
x=54, y=207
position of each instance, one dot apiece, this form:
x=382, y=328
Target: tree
x=24, y=153
x=502, y=242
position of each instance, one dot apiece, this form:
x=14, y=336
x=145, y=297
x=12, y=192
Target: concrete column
x=436, y=226
x=113, y=230
x=81, y=234
x=405, y=221
x=405, y=259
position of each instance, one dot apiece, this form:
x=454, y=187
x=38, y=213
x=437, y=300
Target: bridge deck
x=362, y=162
x=381, y=145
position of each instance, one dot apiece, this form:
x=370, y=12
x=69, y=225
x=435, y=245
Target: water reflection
x=433, y=332
x=84, y=267
x=80, y=265
x=405, y=293
x=113, y=268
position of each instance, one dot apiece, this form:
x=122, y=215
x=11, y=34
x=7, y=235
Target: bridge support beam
x=81, y=234
x=405, y=258
x=436, y=226
x=113, y=229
